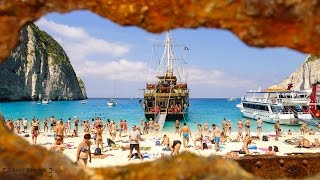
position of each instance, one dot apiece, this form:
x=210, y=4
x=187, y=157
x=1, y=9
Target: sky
x=113, y=60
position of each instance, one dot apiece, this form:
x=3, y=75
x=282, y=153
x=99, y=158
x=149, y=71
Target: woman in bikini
x=35, y=132
x=86, y=127
x=99, y=136
x=83, y=151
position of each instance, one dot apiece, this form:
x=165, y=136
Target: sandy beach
x=150, y=151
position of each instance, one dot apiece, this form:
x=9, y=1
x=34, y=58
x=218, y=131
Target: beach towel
x=166, y=149
x=147, y=156
x=145, y=148
x=263, y=149
x=158, y=142
x=252, y=147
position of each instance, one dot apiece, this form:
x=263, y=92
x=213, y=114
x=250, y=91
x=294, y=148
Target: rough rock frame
x=290, y=23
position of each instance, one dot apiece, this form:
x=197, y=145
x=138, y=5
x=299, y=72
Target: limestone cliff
x=304, y=76
x=39, y=68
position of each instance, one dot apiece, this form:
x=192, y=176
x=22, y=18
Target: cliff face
x=39, y=68
x=304, y=76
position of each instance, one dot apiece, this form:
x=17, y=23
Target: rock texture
x=38, y=68
x=303, y=78
x=261, y=23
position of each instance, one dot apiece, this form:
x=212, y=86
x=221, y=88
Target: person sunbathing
x=316, y=143
x=204, y=145
x=270, y=151
x=304, y=143
x=246, y=142
x=97, y=154
x=57, y=146
x=311, y=132
x=232, y=155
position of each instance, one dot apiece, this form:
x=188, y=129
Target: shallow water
x=211, y=110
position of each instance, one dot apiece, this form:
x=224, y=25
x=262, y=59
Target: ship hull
x=170, y=117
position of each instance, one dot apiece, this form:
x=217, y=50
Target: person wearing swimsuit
x=175, y=147
x=83, y=151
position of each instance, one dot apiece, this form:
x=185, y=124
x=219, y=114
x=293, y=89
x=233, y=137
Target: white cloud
x=97, y=58
x=214, y=77
x=78, y=43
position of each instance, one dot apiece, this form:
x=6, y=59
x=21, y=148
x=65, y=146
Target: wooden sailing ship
x=168, y=97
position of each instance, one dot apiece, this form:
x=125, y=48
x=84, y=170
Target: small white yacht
x=112, y=102
x=287, y=107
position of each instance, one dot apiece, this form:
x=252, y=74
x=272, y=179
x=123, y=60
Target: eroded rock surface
x=38, y=68
x=291, y=23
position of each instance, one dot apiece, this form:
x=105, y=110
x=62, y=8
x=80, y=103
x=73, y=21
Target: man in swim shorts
x=216, y=135
x=185, y=131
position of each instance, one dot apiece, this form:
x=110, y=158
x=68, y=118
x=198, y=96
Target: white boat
x=44, y=101
x=83, y=102
x=231, y=99
x=112, y=102
x=287, y=107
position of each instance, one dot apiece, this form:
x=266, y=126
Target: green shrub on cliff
x=312, y=58
x=53, y=47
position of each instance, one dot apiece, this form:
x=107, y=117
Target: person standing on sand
x=60, y=131
x=18, y=123
x=25, y=124
x=216, y=135
x=157, y=127
x=86, y=127
x=198, y=135
x=240, y=126
x=83, y=151
x=45, y=125
x=185, y=132
x=120, y=128
x=259, y=126
x=99, y=140
x=113, y=131
x=52, y=123
x=35, y=132
x=206, y=128
x=151, y=126
x=224, y=126
x=125, y=127
x=229, y=126
x=76, y=123
x=247, y=125
x=177, y=126
x=277, y=129
x=134, y=141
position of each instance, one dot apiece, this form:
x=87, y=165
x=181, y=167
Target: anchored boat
x=286, y=106
x=168, y=97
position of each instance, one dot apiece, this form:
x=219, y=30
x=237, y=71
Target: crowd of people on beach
x=204, y=138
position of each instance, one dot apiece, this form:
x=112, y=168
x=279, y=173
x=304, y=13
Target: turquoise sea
x=211, y=110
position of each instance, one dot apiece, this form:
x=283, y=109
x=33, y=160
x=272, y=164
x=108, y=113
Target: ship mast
x=169, y=53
